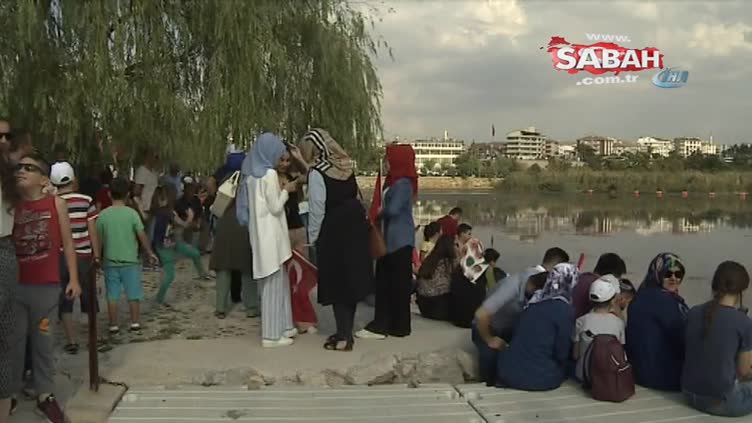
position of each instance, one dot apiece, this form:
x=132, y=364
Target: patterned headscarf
x=661, y=264
x=559, y=285
x=327, y=156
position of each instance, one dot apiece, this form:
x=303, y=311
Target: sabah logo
x=603, y=57
x=670, y=78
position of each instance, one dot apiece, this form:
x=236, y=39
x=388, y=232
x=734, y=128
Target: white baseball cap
x=604, y=289
x=61, y=173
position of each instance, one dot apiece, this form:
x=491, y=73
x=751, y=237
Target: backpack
x=607, y=372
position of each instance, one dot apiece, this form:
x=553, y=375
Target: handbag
x=376, y=243
x=225, y=194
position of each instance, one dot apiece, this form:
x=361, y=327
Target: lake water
x=704, y=232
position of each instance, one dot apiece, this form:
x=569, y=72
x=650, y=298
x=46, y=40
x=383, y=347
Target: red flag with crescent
x=303, y=278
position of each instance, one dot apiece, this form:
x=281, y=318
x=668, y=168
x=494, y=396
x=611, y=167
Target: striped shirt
x=81, y=210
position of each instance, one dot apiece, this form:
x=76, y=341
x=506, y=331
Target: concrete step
x=384, y=404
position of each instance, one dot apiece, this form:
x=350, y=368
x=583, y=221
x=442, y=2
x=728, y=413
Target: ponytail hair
x=730, y=278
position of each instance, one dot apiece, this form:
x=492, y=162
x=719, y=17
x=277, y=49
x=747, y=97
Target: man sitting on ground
x=497, y=317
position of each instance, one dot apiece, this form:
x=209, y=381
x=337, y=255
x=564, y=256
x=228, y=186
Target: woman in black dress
x=339, y=230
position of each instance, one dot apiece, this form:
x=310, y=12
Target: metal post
x=93, y=353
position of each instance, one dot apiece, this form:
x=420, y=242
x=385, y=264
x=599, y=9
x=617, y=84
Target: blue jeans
x=736, y=403
x=488, y=358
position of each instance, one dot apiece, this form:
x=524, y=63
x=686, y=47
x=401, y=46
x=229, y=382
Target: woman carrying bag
x=339, y=230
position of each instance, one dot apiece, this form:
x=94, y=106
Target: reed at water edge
x=581, y=180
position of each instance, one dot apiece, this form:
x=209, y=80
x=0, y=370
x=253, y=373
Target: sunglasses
x=28, y=167
x=6, y=135
x=676, y=273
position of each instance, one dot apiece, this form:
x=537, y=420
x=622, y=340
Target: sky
x=464, y=65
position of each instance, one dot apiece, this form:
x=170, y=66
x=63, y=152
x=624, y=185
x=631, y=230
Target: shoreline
x=441, y=183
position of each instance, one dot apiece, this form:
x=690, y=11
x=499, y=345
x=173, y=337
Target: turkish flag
x=303, y=277
x=373, y=212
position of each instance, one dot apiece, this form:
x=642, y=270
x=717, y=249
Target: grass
x=580, y=180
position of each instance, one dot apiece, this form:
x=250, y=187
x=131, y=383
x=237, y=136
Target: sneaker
x=114, y=330
x=135, y=327
x=50, y=409
x=13, y=406
x=292, y=333
x=281, y=342
x=367, y=334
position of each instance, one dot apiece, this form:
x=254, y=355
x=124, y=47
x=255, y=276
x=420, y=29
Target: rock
x=335, y=379
x=375, y=372
x=255, y=382
x=238, y=377
x=312, y=378
x=439, y=367
x=405, y=369
x=469, y=365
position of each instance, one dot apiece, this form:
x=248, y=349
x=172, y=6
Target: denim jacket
x=397, y=216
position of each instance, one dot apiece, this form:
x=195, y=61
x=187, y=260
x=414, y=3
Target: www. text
x=608, y=38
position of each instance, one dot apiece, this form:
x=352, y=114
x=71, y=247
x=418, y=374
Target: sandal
x=332, y=344
x=71, y=348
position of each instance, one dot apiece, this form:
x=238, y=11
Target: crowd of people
x=281, y=203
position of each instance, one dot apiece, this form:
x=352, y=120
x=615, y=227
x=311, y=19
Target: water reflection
x=527, y=217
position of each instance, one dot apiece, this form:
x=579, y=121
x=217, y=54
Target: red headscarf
x=401, y=159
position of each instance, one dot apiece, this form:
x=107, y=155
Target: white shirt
x=267, y=224
x=149, y=179
x=6, y=218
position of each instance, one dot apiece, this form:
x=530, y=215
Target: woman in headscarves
x=338, y=228
x=267, y=229
x=394, y=271
x=538, y=357
x=656, y=325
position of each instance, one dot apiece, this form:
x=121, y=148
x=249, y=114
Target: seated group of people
x=543, y=325
x=445, y=286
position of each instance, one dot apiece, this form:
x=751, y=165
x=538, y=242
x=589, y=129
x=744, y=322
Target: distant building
x=486, y=151
x=442, y=153
x=686, y=146
x=526, y=144
x=657, y=146
x=552, y=148
x=567, y=151
x=602, y=146
x=625, y=147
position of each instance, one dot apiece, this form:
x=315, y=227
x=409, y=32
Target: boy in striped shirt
x=82, y=213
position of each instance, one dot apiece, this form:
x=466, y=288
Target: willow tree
x=182, y=75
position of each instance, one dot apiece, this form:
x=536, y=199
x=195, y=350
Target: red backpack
x=607, y=372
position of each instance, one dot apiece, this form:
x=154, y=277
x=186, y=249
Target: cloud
x=720, y=39
x=462, y=65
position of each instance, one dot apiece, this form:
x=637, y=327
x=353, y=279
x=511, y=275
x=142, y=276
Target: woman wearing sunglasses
x=656, y=324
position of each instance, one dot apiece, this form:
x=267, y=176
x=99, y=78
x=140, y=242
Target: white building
x=526, y=144
x=602, y=146
x=442, y=153
x=686, y=146
x=652, y=145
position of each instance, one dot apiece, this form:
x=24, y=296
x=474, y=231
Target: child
x=431, y=234
x=41, y=229
x=493, y=274
x=600, y=320
x=624, y=298
x=121, y=230
x=82, y=214
x=464, y=234
x=165, y=242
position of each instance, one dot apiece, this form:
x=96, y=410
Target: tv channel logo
x=671, y=78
